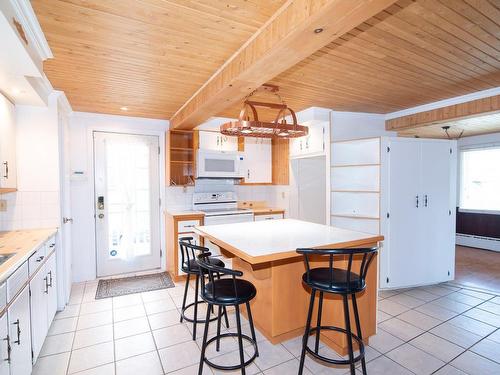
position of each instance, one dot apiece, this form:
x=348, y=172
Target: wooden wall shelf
x=180, y=157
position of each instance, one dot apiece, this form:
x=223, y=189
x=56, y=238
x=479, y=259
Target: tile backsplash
x=275, y=195
x=30, y=209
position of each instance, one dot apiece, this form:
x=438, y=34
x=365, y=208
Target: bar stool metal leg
x=217, y=345
x=349, y=333
x=204, y=345
x=306, y=332
x=252, y=328
x=185, y=295
x=358, y=328
x=240, y=340
x=195, y=320
x=318, y=323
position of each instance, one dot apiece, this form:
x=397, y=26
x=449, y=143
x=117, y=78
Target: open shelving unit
x=180, y=149
x=355, y=185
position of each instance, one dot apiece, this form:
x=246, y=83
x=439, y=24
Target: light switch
x=3, y=205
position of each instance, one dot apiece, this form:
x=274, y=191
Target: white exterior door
x=127, y=203
x=404, y=250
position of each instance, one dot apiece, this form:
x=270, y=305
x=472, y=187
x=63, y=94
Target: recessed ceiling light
x=124, y=108
x=16, y=91
x=318, y=30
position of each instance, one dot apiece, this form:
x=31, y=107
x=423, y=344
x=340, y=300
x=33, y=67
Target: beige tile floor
x=439, y=329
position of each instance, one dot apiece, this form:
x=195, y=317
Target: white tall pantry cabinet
x=418, y=203
x=404, y=189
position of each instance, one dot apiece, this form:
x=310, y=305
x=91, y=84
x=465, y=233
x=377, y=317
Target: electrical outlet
x=3, y=205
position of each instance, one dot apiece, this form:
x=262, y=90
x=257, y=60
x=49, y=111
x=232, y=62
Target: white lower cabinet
x=4, y=346
x=39, y=287
x=18, y=316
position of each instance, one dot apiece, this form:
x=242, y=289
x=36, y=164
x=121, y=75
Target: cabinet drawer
x=16, y=281
x=3, y=296
x=187, y=225
x=36, y=260
x=268, y=217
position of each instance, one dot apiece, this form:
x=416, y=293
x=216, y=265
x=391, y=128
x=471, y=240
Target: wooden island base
x=280, y=308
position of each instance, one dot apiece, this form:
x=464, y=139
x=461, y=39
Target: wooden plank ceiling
x=152, y=55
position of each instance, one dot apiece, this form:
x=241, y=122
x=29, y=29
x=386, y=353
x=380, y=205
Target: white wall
x=356, y=125
x=36, y=203
x=82, y=125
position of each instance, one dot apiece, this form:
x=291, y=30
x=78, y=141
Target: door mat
x=133, y=284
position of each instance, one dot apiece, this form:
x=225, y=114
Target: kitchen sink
x=5, y=257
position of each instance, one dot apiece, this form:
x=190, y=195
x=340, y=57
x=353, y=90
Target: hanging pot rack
x=249, y=125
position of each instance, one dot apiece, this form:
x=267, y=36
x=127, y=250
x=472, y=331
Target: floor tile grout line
x=154, y=340
x=74, y=332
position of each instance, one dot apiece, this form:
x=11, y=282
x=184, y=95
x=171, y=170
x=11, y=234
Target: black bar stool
x=189, y=265
x=336, y=281
x=223, y=292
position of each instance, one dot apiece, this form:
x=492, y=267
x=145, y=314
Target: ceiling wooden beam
x=289, y=36
x=445, y=114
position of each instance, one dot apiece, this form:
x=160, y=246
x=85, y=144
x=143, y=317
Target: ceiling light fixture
x=16, y=91
x=446, y=129
x=124, y=108
x=318, y=30
x=249, y=125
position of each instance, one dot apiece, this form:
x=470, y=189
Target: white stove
x=220, y=208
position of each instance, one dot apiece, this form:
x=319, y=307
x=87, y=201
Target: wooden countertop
x=23, y=243
x=256, y=211
x=264, y=241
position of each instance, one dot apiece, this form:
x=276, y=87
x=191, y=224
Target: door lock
x=101, y=216
x=100, y=203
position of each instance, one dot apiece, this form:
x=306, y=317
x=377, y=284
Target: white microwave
x=219, y=164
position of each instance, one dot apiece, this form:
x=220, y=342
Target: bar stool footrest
x=192, y=320
x=360, y=342
x=235, y=367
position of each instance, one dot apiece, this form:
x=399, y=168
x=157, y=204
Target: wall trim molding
x=444, y=103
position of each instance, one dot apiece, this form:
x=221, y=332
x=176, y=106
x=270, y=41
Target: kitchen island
x=265, y=252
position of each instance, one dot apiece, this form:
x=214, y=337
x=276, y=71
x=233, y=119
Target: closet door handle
x=425, y=200
x=9, y=349
x=416, y=200
x=18, y=341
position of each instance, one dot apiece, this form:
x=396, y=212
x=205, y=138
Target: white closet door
x=404, y=253
x=437, y=224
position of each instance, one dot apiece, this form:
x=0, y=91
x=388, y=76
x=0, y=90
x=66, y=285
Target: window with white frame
x=480, y=179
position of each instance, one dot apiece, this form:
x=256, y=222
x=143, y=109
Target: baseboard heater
x=488, y=243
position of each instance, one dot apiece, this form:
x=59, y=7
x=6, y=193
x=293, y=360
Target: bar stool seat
x=192, y=267
x=229, y=292
x=334, y=280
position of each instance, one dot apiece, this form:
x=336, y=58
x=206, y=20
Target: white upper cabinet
x=257, y=163
x=215, y=141
x=311, y=145
x=7, y=144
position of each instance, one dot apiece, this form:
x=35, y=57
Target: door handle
x=9, y=349
x=18, y=341
x=416, y=197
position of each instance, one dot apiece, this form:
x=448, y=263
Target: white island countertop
x=264, y=241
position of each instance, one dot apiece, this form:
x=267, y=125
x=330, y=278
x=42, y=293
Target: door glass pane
x=129, y=201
